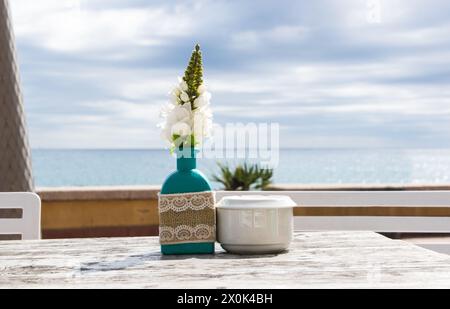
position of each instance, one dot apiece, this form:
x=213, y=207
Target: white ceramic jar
x=255, y=224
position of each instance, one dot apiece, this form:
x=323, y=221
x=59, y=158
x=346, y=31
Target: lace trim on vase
x=185, y=233
x=187, y=217
x=185, y=201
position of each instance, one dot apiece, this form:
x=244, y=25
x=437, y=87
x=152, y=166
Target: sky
x=332, y=73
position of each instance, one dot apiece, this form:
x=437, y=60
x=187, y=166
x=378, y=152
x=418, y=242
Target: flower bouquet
x=187, y=222
x=187, y=119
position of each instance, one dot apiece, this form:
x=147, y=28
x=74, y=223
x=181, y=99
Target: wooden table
x=315, y=260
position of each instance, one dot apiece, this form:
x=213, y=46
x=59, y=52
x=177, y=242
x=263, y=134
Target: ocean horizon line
x=280, y=148
x=86, y=167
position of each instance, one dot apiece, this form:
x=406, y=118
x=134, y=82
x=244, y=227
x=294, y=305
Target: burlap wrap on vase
x=187, y=218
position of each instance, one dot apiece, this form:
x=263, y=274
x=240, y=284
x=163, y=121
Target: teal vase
x=186, y=179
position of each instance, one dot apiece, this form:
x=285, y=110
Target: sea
x=76, y=167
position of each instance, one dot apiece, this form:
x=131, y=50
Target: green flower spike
x=193, y=76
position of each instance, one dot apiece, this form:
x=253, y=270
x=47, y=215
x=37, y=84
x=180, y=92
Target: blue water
x=56, y=168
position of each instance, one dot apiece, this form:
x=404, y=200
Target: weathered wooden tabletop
x=315, y=260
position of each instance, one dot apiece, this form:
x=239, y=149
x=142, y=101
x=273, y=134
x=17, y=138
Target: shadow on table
x=139, y=259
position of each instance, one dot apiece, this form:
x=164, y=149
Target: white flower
x=178, y=118
x=202, y=124
x=183, y=86
x=201, y=89
x=199, y=128
x=166, y=136
x=179, y=113
x=202, y=100
x=207, y=121
x=177, y=90
x=175, y=96
x=181, y=129
x=174, y=99
x=184, y=97
x=164, y=113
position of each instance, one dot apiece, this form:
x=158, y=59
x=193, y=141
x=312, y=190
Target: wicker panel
x=15, y=156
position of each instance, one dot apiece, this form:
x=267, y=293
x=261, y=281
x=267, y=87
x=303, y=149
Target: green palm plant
x=244, y=177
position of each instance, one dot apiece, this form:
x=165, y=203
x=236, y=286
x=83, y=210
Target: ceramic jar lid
x=256, y=202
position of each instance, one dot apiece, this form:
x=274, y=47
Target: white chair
x=20, y=216
x=415, y=212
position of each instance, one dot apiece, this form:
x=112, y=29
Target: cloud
x=95, y=72
x=100, y=124
x=284, y=34
x=68, y=26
